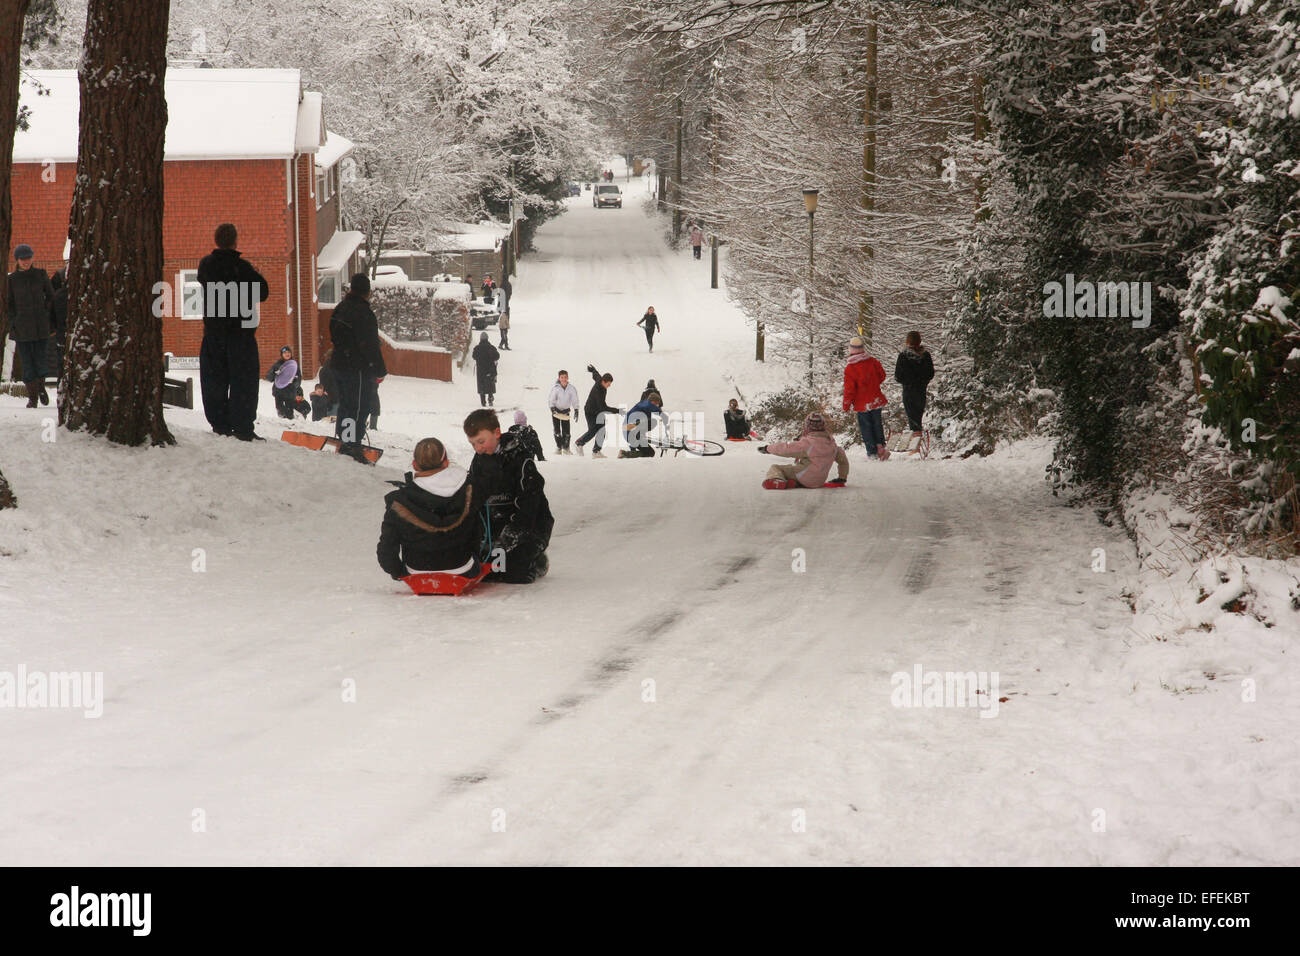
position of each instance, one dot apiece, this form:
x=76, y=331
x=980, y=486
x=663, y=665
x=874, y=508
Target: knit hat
x=650, y=384
x=856, y=342
x=24, y=251
x=814, y=423
x=287, y=348
x=359, y=284
x=521, y=418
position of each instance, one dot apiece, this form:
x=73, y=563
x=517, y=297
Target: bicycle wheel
x=702, y=447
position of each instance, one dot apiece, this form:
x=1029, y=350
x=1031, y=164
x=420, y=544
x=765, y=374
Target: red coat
x=863, y=376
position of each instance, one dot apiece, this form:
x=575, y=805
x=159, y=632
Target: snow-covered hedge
x=433, y=312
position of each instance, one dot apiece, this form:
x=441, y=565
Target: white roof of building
x=334, y=149
x=338, y=250
x=211, y=114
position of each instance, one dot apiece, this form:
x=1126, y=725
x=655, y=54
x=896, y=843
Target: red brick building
x=243, y=146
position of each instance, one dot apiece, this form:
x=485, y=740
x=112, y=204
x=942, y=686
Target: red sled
x=440, y=582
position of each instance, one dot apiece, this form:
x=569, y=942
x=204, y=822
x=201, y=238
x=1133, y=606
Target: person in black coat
x=228, y=361
x=650, y=388
x=485, y=364
x=59, y=318
x=357, y=363
x=514, y=491
x=913, y=371
x=326, y=377
x=30, y=297
x=734, y=420
x=431, y=522
x=595, y=411
x=650, y=322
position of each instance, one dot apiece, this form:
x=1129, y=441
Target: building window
x=191, y=294
x=320, y=189
x=327, y=290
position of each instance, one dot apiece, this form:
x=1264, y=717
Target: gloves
x=836, y=481
x=762, y=449
x=591, y=369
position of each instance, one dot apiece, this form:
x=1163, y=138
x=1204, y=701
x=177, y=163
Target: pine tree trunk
x=12, y=14
x=114, y=377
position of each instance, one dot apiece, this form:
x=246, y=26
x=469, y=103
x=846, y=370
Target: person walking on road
x=697, y=239
x=650, y=322
x=595, y=411
x=357, y=364
x=913, y=371
x=228, y=363
x=30, y=301
x=485, y=366
x=563, y=402
x=863, y=376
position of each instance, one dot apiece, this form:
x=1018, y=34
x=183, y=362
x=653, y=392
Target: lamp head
x=810, y=200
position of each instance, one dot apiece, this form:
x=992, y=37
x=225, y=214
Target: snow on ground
x=675, y=691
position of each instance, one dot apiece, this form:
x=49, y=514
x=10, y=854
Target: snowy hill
x=676, y=690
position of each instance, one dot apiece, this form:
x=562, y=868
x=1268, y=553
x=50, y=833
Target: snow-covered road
x=675, y=691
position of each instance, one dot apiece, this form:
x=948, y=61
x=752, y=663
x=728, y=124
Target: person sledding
x=737, y=425
x=509, y=484
x=813, y=452
x=431, y=522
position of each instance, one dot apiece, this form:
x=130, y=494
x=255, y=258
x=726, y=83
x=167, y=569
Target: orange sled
x=318, y=442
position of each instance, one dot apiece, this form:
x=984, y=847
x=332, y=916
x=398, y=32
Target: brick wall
x=198, y=195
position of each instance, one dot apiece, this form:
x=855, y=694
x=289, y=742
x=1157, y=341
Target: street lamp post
x=810, y=203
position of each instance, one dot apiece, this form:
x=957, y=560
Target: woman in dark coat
x=913, y=371
x=485, y=363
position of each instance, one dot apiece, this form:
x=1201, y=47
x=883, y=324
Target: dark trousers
x=505, y=338
x=914, y=407
x=595, y=429
x=354, y=406
x=228, y=379
x=284, y=401
x=561, y=426
x=697, y=251
x=872, y=427
x=650, y=338
x=31, y=355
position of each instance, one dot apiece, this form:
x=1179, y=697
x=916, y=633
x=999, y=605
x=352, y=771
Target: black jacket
x=320, y=406
x=913, y=370
x=651, y=387
x=30, y=297
x=520, y=515
x=596, y=397
x=224, y=266
x=427, y=532
x=650, y=320
x=354, y=332
x=528, y=441
x=485, y=364
x=736, y=424
x=59, y=307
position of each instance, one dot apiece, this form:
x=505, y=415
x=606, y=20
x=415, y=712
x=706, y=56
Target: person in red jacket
x=863, y=376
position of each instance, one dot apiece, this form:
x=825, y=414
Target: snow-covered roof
x=466, y=242
x=334, y=149
x=338, y=250
x=211, y=114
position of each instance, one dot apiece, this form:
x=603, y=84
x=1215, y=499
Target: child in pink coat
x=813, y=452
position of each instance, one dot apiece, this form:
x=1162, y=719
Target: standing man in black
x=595, y=410
x=357, y=364
x=229, y=369
x=30, y=298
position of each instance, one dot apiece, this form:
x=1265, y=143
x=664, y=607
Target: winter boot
x=33, y=393
x=773, y=484
x=882, y=452
x=45, y=396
